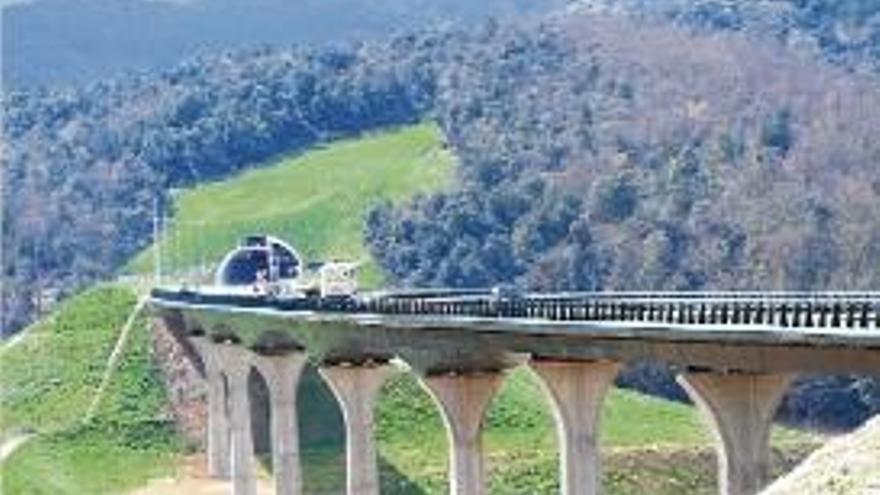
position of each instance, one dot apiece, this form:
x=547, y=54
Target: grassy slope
x=316, y=200
x=48, y=380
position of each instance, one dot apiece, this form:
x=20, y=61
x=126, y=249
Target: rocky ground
x=848, y=465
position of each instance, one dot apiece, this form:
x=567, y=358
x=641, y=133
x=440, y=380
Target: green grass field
x=316, y=201
x=49, y=378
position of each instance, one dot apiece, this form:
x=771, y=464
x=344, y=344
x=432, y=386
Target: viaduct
x=735, y=354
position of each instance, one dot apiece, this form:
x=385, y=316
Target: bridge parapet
x=783, y=310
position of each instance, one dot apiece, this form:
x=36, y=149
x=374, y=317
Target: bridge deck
x=818, y=333
x=844, y=317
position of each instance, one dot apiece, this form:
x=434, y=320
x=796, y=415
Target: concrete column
x=577, y=391
x=739, y=409
x=463, y=400
x=218, y=414
x=236, y=363
x=356, y=388
x=282, y=375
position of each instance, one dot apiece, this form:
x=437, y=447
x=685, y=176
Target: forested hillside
x=845, y=32
x=598, y=155
x=59, y=42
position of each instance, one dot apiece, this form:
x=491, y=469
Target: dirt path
x=191, y=479
x=113, y=360
x=14, y=340
x=12, y=444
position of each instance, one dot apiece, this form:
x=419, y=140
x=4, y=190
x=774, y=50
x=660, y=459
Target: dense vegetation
x=845, y=32
x=593, y=157
x=61, y=42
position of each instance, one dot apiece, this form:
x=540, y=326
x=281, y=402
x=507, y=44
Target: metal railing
x=852, y=310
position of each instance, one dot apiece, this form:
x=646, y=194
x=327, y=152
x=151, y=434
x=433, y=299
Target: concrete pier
x=577, y=390
x=282, y=374
x=236, y=364
x=357, y=388
x=218, y=410
x=739, y=409
x=463, y=400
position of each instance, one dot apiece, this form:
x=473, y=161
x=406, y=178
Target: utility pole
x=157, y=244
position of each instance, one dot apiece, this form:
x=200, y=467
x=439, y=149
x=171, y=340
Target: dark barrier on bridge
x=788, y=310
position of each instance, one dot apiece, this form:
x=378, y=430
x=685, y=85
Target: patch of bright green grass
x=49, y=379
x=316, y=201
x=90, y=460
x=49, y=376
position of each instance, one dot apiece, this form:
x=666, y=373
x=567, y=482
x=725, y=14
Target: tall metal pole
x=201, y=248
x=157, y=244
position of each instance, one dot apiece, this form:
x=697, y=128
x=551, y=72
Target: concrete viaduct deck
x=735, y=354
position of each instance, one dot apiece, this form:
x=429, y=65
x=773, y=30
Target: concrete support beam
x=577, y=390
x=218, y=413
x=236, y=364
x=463, y=400
x=282, y=374
x=739, y=409
x=357, y=388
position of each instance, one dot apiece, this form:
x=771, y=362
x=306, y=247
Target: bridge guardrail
x=811, y=310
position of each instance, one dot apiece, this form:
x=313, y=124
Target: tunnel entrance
x=256, y=255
